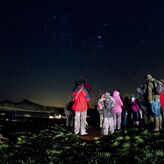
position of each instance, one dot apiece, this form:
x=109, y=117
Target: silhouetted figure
x=126, y=111
x=69, y=114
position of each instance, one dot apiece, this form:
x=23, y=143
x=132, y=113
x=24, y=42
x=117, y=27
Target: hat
x=116, y=93
x=107, y=95
x=133, y=98
x=148, y=77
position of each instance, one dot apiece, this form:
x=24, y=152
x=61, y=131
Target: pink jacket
x=117, y=108
x=135, y=106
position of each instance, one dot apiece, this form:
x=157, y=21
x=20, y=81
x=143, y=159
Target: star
x=105, y=24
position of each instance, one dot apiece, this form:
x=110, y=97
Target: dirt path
x=93, y=133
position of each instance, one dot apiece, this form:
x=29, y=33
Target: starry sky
x=45, y=45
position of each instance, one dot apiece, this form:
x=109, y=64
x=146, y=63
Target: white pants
x=101, y=120
x=117, y=120
x=108, y=126
x=80, y=122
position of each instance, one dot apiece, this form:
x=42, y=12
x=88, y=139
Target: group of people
x=114, y=111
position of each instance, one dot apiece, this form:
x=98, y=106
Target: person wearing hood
x=81, y=99
x=154, y=102
x=117, y=109
x=108, y=115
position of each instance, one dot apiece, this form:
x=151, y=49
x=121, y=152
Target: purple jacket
x=117, y=108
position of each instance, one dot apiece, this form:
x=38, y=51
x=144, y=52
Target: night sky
x=45, y=45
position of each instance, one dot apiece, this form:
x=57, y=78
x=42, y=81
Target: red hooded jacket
x=81, y=99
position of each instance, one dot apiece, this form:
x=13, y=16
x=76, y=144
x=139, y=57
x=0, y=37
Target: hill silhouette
x=29, y=106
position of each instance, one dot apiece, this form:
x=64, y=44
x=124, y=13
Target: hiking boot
x=84, y=134
x=77, y=132
x=156, y=130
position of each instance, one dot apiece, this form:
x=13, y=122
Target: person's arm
x=87, y=96
x=150, y=91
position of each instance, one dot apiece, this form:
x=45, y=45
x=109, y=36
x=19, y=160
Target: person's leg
x=155, y=106
x=148, y=114
x=118, y=120
x=138, y=117
x=71, y=119
x=77, y=123
x=123, y=118
x=83, y=122
x=101, y=120
x=114, y=120
x=67, y=118
x=125, y=121
x=160, y=122
x=156, y=124
x=105, y=126
x=111, y=129
x=159, y=114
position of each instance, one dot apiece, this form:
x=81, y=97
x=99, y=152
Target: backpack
x=158, y=87
x=108, y=104
x=100, y=105
x=69, y=106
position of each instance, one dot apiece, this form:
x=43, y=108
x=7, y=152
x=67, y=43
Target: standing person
x=117, y=110
x=154, y=102
x=143, y=103
x=100, y=107
x=81, y=99
x=69, y=114
x=135, y=111
x=108, y=115
x=125, y=112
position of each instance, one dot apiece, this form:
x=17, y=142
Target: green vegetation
x=55, y=144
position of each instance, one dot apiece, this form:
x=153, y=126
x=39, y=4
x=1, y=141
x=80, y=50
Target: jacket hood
x=149, y=77
x=116, y=93
x=107, y=95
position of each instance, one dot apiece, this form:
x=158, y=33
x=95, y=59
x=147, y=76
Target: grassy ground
x=54, y=143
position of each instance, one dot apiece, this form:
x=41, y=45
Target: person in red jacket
x=81, y=99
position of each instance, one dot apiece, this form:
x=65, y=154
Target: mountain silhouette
x=28, y=105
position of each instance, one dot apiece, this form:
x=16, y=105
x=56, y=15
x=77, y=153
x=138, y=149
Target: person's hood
x=149, y=77
x=107, y=95
x=116, y=93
